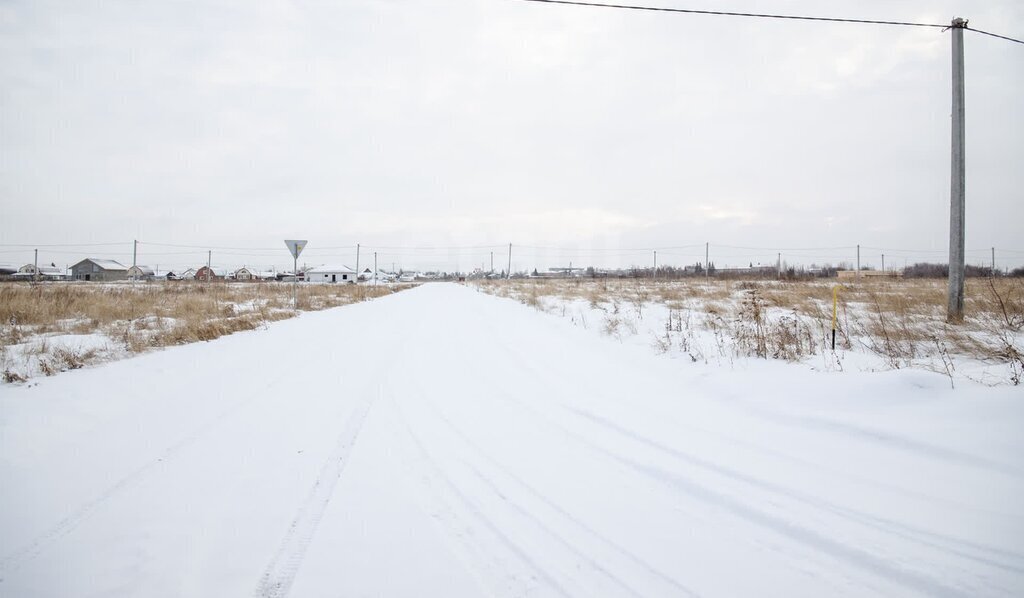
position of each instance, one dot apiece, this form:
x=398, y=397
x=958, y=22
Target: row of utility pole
x=207, y=276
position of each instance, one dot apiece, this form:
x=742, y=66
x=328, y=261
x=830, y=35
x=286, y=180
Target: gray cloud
x=488, y=121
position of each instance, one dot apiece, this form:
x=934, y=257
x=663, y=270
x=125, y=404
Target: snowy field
x=445, y=442
x=880, y=325
x=54, y=327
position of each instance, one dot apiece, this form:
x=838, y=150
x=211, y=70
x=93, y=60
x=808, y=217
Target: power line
x=1010, y=39
x=208, y=247
x=741, y=14
x=33, y=246
x=838, y=248
x=770, y=16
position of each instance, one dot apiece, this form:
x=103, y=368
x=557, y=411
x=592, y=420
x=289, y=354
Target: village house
x=205, y=274
x=97, y=270
x=140, y=273
x=28, y=272
x=253, y=275
x=331, y=274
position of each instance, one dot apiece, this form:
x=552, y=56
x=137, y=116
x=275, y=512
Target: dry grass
x=900, y=321
x=136, y=317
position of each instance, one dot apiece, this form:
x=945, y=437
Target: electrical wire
x=209, y=247
x=740, y=14
x=771, y=16
x=30, y=246
x=1010, y=39
x=840, y=248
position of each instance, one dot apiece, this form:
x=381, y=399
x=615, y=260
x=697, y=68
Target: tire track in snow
x=953, y=546
x=795, y=532
x=474, y=509
x=638, y=562
x=279, y=576
x=66, y=525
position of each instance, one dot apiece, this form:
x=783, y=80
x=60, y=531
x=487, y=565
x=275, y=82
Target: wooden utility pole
x=957, y=191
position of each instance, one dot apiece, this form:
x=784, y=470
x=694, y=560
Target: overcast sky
x=452, y=123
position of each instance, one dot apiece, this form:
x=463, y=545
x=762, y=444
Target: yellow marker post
x=835, y=303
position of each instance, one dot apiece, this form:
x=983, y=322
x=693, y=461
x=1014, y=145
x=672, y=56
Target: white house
x=247, y=273
x=331, y=274
x=140, y=273
x=51, y=272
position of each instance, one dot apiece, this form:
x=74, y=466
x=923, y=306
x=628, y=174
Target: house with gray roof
x=98, y=270
x=28, y=272
x=140, y=273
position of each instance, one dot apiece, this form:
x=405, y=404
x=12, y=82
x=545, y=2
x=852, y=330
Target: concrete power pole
x=374, y=268
x=707, y=260
x=778, y=266
x=655, y=275
x=883, y=262
x=993, y=262
x=957, y=191
x=135, y=252
x=492, y=262
x=858, y=261
x=35, y=267
x=209, y=261
x=509, y=276
x=357, y=263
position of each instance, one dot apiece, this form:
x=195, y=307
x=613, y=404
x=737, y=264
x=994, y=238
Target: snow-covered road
x=443, y=442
